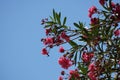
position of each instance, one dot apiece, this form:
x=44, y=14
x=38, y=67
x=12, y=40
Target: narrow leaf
x=64, y=21
x=72, y=43
x=76, y=25
x=75, y=58
x=51, y=18
x=58, y=19
x=54, y=14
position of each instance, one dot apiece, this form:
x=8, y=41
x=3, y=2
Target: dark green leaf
x=50, y=23
x=108, y=29
x=54, y=30
x=76, y=25
x=46, y=26
x=65, y=27
x=83, y=68
x=51, y=18
x=81, y=25
x=75, y=58
x=72, y=43
x=54, y=14
x=58, y=19
x=59, y=14
x=64, y=21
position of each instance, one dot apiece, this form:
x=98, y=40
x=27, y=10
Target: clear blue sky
x=20, y=34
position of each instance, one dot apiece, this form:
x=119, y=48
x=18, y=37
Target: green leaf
x=64, y=21
x=76, y=25
x=81, y=25
x=58, y=19
x=46, y=26
x=75, y=58
x=50, y=23
x=83, y=68
x=54, y=14
x=51, y=18
x=72, y=43
x=65, y=27
x=59, y=14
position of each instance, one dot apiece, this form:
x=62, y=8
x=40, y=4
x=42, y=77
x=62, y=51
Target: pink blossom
x=64, y=62
x=117, y=32
x=47, y=31
x=74, y=73
x=116, y=10
x=102, y=2
x=94, y=21
x=44, y=51
x=59, y=40
x=92, y=75
x=92, y=10
x=61, y=49
x=48, y=41
x=119, y=62
x=60, y=78
x=92, y=67
x=67, y=38
x=86, y=57
x=91, y=55
x=64, y=36
x=113, y=4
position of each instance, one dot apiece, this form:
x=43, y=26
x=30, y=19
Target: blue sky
x=20, y=34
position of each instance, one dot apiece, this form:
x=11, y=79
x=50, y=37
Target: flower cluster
x=74, y=74
x=117, y=32
x=92, y=11
x=52, y=41
x=92, y=71
x=95, y=51
x=65, y=62
x=86, y=57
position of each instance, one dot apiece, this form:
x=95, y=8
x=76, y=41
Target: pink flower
x=64, y=62
x=94, y=21
x=113, y=4
x=91, y=55
x=116, y=10
x=74, y=73
x=61, y=49
x=102, y=2
x=92, y=10
x=64, y=36
x=67, y=38
x=47, y=31
x=48, y=41
x=44, y=51
x=119, y=62
x=59, y=40
x=86, y=57
x=117, y=32
x=92, y=75
x=92, y=67
x=60, y=78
